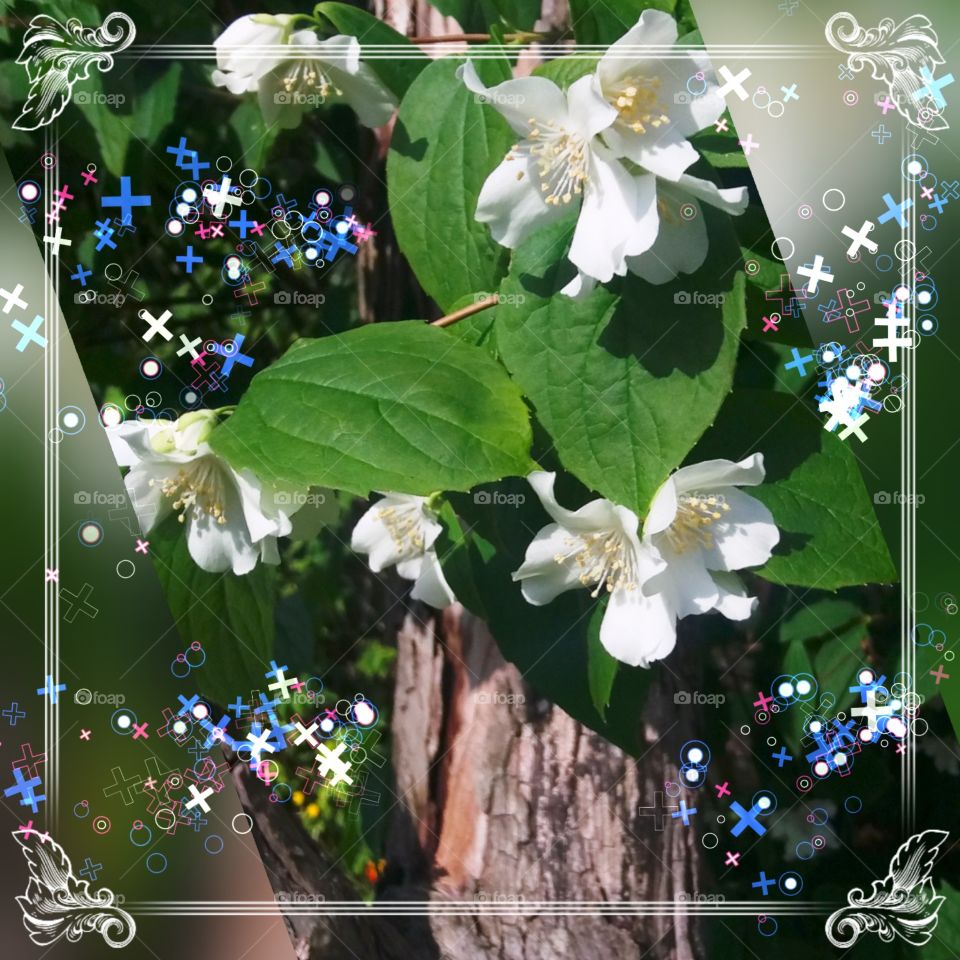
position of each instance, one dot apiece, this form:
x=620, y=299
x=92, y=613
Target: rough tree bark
x=504, y=796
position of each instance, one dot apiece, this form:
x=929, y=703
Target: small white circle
x=914, y=167
x=829, y=356
x=201, y=711
x=865, y=676
x=840, y=759
x=70, y=420
x=786, y=689
x=924, y=297
x=763, y=803
x=179, y=728
x=189, y=194
x=790, y=883
x=692, y=775
x=695, y=755
x=123, y=721
x=803, y=686
x=902, y=293
x=816, y=726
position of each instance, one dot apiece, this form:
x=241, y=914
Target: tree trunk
x=504, y=797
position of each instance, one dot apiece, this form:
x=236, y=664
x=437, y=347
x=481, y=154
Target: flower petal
x=637, y=629
x=710, y=475
x=130, y=440
x=655, y=28
x=517, y=101
x=681, y=245
x=733, y=603
x=371, y=101
x=143, y=488
x=541, y=577
x=664, y=151
x=512, y=203
x=745, y=537
x=371, y=536
x=732, y=200
x=663, y=508
x=431, y=586
x=618, y=218
x=596, y=515
x=686, y=583
x=589, y=112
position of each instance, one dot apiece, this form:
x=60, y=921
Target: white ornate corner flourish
x=896, y=53
x=56, y=904
x=57, y=55
x=904, y=904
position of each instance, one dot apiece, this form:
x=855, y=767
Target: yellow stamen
x=196, y=487
x=696, y=514
x=637, y=100
x=560, y=157
x=605, y=560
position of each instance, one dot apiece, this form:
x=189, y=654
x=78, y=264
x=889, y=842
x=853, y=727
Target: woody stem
x=458, y=315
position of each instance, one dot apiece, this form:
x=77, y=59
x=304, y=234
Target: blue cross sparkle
x=188, y=259
x=30, y=335
x=90, y=870
x=13, y=713
x=81, y=275
x=284, y=254
x=126, y=200
x=938, y=202
x=241, y=223
x=49, y=689
x=684, y=813
x=782, y=757
x=895, y=210
x=104, y=234
x=274, y=670
x=747, y=818
x=26, y=790
x=798, y=362
x=235, y=356
x=762, y=882
x=238, y=706
x=933, y=87
x=186, y=706
x=187, y=159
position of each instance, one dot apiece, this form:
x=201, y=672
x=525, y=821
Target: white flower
x=595, y=547
x=682, y=242
x=699, y=529
x=704, y=528
x=655, y=110
x=558, y=165
x=401, y=529
x=230, y=520
x=292, y=71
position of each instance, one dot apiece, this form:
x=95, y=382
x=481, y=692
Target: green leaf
x=565, y=70
x=829, y=535
x=550, y=645
x=232, y=617
x=605, y=22
x=444, y=146
x=601, y=667
x=837, y=661
x=393, y=406
x=942, y=945
x=154, y=110
x=256, y=137
x=626, y=380
x=397, y=72
x=796, y=660
x=820, y=619
x=113, y=132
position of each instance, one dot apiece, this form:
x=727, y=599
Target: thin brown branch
x=458, y=315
